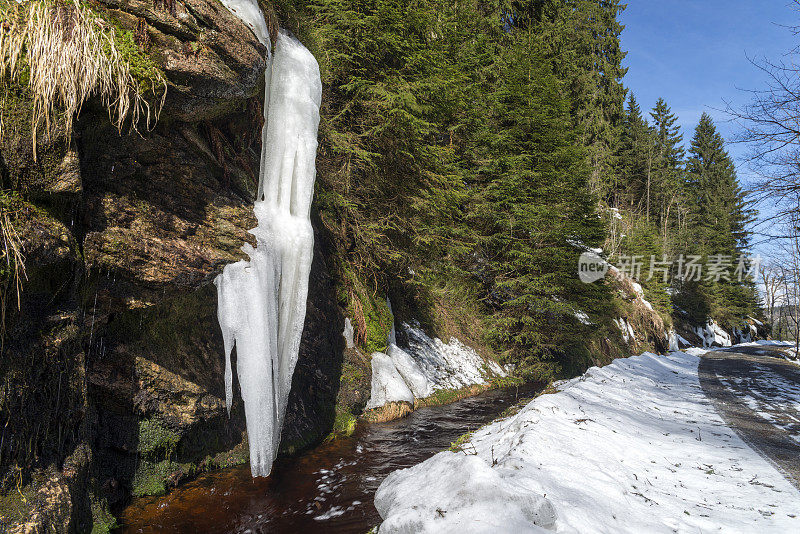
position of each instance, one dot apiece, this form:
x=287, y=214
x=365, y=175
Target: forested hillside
x=472, y=150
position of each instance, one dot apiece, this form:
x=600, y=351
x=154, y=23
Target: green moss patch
x=103, y=521
x=344, y=425
x=154, y=478
x=156, y=440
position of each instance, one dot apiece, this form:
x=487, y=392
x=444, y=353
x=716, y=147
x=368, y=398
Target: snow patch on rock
x=628, y=334
x=427, y=365
x=713, y=335
x=388, y=384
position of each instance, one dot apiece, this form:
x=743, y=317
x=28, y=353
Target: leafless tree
x=772, y=279
x=770, y=125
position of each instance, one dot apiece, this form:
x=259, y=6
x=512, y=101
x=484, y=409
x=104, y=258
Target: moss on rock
x=156, y=440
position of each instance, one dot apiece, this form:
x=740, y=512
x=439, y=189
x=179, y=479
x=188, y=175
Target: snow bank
x=471, y=497
x=628, y=448
x=449, y=365
x=428, y=364
x=262, y=302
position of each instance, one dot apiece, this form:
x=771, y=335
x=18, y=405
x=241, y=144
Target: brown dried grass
x=388, y=412
x=10, y=255
x=70, y=55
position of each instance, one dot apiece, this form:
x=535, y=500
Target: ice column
x=262, y=302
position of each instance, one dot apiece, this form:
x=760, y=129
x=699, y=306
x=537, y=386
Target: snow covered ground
x=631, y=447
x=427, y=365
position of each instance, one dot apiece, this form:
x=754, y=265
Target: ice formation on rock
x=392, y=339
x=628, y=333
x=250, y=13
x=411, y=372
x=262, y=302
x=672, y=338
x=745, y=334
x=348, y=333
x=713, y=335
x=387, y=383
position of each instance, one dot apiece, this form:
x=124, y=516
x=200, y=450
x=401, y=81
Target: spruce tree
x=719, y=214
x=533, y=212
x=664, y=187
x=634, y=160
x=581, y=40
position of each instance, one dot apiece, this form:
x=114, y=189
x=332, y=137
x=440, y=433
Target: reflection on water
x=328, y=489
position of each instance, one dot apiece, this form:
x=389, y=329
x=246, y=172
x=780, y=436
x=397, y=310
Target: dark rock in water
x=113, y=367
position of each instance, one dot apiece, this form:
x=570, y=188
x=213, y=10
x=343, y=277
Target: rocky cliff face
x=113, y=367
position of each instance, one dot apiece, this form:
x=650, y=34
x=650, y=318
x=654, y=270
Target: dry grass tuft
x=12, y=264
x=69, y=55
x=388, y=412
x=360, y=334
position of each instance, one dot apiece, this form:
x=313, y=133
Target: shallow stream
x=328, y=489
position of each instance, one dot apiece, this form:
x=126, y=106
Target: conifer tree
x=664, y=187
x=533, y=211
x=719, y=214
x=635, y=159
x=581, y=39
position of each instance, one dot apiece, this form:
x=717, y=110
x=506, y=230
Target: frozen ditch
x=262, y=302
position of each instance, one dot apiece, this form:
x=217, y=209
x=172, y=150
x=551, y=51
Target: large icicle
x=262, y=302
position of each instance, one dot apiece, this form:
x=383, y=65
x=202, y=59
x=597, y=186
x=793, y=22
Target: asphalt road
x=757, y=392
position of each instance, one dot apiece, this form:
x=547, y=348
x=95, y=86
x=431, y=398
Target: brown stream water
x=328, y=489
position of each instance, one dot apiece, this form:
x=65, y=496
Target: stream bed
x=327, y=489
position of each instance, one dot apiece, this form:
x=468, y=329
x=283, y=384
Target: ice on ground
x=262, y=302
x=770, y=395
x=628, y=448
x=426, y=365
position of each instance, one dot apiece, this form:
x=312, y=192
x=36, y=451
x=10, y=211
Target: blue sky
x=694, y=54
